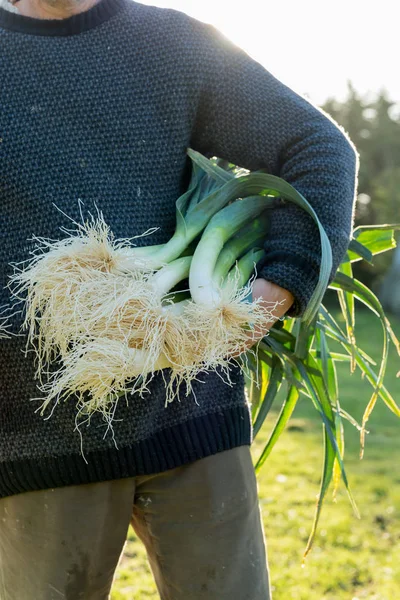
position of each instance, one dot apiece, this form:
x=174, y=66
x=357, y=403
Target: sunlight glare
x=313, y=47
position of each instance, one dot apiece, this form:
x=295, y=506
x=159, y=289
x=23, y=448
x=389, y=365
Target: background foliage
x=374, y=127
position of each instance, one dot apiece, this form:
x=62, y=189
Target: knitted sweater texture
x=99, y=109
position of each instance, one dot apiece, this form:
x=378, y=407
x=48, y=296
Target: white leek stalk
x=252, y=235
x=202, y=278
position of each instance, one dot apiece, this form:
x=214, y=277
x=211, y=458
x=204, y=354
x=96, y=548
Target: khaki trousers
x=200, y=524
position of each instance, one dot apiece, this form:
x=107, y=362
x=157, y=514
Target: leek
x=250, y=236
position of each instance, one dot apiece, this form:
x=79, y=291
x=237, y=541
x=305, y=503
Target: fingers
x=277, y=302
x=271, y=294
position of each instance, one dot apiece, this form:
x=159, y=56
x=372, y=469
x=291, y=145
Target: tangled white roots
x=3, y=329
x=65, y=285
x=222, y=332
x=101, y=327
x=103, y=368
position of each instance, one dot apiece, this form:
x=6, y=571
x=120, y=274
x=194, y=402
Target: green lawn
x=351, y=559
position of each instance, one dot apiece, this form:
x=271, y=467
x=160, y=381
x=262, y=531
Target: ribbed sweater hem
x=167, y=449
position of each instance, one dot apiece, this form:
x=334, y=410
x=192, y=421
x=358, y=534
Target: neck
x=53, y=9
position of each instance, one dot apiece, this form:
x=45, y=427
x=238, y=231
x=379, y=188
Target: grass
x=351, y=559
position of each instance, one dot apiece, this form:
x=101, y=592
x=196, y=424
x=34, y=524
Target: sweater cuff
x=294, y=273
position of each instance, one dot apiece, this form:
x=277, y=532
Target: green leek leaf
x=284, y=416
x=369, y=240
x=269, y=396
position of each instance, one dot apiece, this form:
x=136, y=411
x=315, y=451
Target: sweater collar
x=99, y=13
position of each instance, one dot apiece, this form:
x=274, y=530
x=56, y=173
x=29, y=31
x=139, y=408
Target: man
x=98, y=102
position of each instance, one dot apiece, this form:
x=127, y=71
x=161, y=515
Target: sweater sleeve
x=248, y=117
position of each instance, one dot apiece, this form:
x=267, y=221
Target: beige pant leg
x=202, y=530
x=63, y=543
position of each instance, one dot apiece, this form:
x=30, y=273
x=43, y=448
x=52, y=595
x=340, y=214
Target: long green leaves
x=346, y=301
x=309, y=366
x=269, y=391
x=344, y=283
x=296, y=352
x=284, y=416
x=370, y=240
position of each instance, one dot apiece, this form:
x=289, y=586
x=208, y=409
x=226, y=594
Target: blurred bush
x=374, y=126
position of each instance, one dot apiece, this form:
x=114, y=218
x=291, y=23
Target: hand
x=271, y=294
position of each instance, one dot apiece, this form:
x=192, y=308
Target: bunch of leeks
x=106, y=311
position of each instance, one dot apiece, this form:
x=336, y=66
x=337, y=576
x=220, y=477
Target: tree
x=374, y=127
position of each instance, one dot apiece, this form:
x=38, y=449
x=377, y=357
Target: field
x=351, y=559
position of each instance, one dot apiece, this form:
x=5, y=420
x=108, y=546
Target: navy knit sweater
x=101, y=108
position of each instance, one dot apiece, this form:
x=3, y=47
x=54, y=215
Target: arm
x=248, y=117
